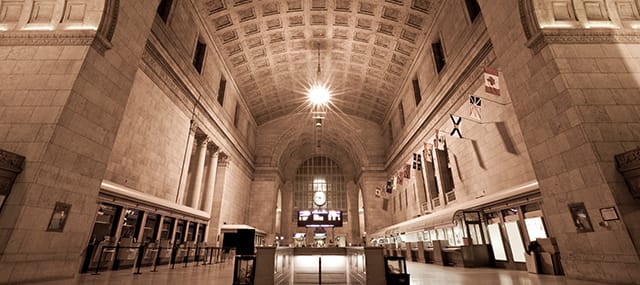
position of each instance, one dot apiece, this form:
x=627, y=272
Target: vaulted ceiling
x=365, y=47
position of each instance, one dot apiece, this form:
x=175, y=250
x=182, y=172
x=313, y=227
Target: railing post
x=139, y=259
x=156, y=259
x=116, y=262
x=185, y=260
x=99, y=261
x=172, y=259
x=319, y=270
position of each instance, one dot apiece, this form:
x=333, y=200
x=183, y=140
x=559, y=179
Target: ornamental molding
x=107, y=26
x=223, y=159
x=580, y=36
x=40, y=38
x=11, y=161
x=629, y=160
x=157, y=67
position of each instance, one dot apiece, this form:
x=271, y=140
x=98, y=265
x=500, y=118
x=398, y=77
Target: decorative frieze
x=578, y=22
x=629, y=167
x=11, y=162
x=37, y=38
x=580, y=36
x=11, y=165
x=629, y=160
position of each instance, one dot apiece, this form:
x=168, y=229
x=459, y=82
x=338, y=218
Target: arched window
x=319, y=174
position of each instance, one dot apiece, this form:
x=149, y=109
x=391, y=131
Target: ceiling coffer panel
x=366, y=48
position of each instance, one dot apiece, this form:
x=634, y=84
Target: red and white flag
x=491, y=81
x=407, y=171
x=475, y=107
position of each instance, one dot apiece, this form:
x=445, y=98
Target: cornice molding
x=456, y=86
x=107, y=26
x=11, y=161
x=580, y=36
x=47, y=38
x=629, y=160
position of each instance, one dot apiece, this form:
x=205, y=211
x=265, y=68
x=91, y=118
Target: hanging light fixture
x=318, y=93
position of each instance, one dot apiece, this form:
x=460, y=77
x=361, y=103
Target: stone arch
x=107, y=26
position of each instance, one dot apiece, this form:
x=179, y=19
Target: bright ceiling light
x=319, y=95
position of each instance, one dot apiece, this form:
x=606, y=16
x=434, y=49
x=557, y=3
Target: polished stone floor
x=421, y=274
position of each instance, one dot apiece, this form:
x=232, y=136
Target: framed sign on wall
x=580, y=217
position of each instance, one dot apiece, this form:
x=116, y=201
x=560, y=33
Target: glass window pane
x=496, y=242
x=167, y=228
x=319, y=174
x=150, y=228
x=474, y=233
x=130, y=224
x=535, y=228
x=515, y=241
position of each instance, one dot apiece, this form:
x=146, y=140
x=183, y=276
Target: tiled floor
x=421, y=274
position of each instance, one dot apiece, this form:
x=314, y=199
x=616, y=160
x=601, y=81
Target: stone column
x=201, y=151
x=215, y=221
x=185, y=164
x=211, y=178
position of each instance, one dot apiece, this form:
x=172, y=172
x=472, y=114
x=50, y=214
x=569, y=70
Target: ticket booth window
x=131, y=224
x=535, y=228
x=515, y=241
x=167, y=228
x=497, y=244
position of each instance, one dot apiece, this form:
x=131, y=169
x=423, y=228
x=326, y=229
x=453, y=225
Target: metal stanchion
x=172, y=260
x=156, y=260
x=196, y=257
x=185, y=260
x=99, y=261
x=139, y=259
x=319, y=270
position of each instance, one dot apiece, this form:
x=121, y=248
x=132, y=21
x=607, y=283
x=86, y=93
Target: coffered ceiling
x=365, y=47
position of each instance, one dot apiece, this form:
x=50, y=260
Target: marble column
x=201, y=152
x=213, y=229
x=211, y=178
x=185, y=164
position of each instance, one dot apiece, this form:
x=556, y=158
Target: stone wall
x=491, y=155
x=575, y=92
x=148, y=152
x=78, y=124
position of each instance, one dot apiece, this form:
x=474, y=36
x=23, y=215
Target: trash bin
x=396, y=270
x=244, y=270
x=531, y=260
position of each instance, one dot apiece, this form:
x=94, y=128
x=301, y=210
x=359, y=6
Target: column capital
x=202, y=139
x=213, y=147
x=223, y=159
x=193, y=127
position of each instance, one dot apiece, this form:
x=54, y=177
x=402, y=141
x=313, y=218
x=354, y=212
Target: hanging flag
x=439, y=141
x=456, y=126
x=378, y=192
x=427, y=152
x=475, y=107
x=407, y=171
x=491, y=81
x=417, y=161
x=400, y=176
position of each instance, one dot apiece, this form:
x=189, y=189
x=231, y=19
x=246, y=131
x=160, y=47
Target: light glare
x=319, y=95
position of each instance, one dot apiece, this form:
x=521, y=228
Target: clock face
x=319, y=198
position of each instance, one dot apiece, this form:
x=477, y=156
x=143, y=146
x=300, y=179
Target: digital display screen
x=320, y=218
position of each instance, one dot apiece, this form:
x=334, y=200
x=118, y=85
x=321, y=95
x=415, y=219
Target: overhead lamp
x=319, y=95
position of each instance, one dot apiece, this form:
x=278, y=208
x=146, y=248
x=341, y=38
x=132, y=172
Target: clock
x=319, y=198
